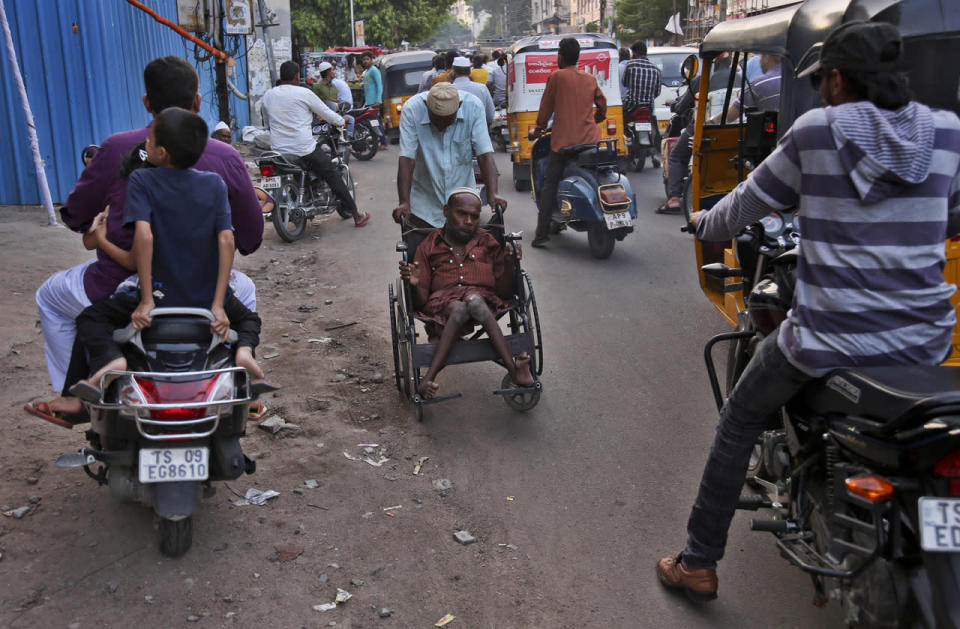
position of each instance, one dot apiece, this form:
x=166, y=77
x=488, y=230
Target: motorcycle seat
x=173, y=330
x=577, y=149
x=884, y=393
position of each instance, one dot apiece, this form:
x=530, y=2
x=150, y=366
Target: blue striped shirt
x=875, y=189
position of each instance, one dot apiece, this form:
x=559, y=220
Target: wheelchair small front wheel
x=518, y=401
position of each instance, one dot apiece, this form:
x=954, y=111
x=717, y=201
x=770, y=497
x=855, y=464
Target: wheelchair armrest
x=513, y=236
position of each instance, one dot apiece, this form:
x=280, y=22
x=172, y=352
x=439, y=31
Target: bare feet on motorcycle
x=428, y=389
x=58, y=411
x=521, y=374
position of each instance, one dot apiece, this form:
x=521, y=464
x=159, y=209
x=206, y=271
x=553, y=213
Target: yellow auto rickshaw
x=724, y=151
x=400, y=72
x=531, y=61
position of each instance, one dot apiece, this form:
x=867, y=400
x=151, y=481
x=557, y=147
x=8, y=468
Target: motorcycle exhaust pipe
x=773, y=526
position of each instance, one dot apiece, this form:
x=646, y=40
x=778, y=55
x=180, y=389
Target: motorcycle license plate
x=374, y=123
x=642, y=126
x=940, y=524
x=620, y=219
x=269, y=182
x=169, y=465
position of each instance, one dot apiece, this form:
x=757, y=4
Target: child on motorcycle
x=183, y=232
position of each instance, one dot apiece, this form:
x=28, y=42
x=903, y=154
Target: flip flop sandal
x=42, y=410
x=668, y=209
x=85, y=392
x=257, y=411
x=363, y=221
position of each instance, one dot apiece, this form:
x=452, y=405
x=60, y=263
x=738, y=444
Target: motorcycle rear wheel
x=288, y=219
x=363, y=146
x=601, y=241
x=176, y=536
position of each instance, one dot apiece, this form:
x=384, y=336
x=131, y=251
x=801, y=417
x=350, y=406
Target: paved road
x=604, y=470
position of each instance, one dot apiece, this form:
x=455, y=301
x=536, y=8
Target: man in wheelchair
x=457, y=276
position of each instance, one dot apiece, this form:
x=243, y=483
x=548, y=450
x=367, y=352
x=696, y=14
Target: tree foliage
x=451, y=33
x=646, y=18
x=508, y=18
x=325, y=23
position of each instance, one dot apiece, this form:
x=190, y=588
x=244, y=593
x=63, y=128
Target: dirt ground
x=79, y=558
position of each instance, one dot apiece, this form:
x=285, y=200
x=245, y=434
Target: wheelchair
x=523, y=334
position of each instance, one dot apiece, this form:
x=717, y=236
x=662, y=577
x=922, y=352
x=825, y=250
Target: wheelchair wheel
x=518, y=401
x=532, y=323
x=404, y=353
x=394, y=340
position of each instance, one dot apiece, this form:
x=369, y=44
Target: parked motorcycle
x=366, y=132
x=641, y=137
x=162, y=431
x=861, y=471
x=499, y=131
x=593, y=196
x=299, y=194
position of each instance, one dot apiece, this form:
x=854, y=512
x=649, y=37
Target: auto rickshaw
x=401, y=72
x=531, y=61
x=724, y=151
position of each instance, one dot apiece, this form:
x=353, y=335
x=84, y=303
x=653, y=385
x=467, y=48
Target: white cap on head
x=463, y=190
x=323, y=67
x=461, y=62
x=443, y=99
x=222, y=126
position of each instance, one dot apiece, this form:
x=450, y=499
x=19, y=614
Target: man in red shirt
x=570, y=96
x=457, y=277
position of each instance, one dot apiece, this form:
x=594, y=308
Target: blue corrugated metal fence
x=82, y=63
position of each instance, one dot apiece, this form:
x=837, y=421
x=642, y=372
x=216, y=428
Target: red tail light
x=641, y=114
x=611, y=127
x=949, y=467
x=267, y=170
x=174, y=392
x=770, y=127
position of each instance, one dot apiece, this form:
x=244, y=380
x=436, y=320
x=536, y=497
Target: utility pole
x=353, y=27
x=267, y=44
x=603, y=10
x=223, y=94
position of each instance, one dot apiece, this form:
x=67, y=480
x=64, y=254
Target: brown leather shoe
x=698, y=585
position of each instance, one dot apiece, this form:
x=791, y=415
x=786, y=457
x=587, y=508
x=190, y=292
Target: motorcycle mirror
x=690, y=67
x=86, y=155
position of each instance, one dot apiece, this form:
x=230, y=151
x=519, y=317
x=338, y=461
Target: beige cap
x=443, y=99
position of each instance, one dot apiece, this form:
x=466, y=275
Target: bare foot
x=428, y=389
x=521, y=372
x=66, y=405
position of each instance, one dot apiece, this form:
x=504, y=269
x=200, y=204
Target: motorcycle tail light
x=614, y=196
x=173, y=392
x=949, y=467
x=267, y=170
x=611, y=127
x=873, y=488
x=770, y=127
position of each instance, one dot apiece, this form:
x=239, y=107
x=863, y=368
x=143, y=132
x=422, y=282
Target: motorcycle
x=640, y=136
x=499, y=131
x=164, y=430
x=861, y=470
x=366, y=132
x=299, y=194
x=593, y=196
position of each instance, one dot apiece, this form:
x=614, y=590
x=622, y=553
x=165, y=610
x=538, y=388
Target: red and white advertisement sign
x=540, y=67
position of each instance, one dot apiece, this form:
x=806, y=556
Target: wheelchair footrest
x=520, y=390
x=440, y=398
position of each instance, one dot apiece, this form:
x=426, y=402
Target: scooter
x=593, y=196
x=162, y=431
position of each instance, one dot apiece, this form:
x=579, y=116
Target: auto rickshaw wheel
x=601, y=241
x=521, y=185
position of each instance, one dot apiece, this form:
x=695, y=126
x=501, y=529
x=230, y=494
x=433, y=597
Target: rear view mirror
x=690, y=67
x=86, y=155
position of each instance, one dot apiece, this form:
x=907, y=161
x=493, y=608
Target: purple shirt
x=100, y=186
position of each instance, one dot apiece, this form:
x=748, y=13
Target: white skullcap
x=461, y=62
x=463, y=190
x=222, y=126
x=323, y=67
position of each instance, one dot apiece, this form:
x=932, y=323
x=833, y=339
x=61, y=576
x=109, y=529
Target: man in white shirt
x=461, y=80
x=288, y=111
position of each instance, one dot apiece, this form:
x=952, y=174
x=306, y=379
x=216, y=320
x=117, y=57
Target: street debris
x=510, y=498
x=311, y=484
x=325, y=607
x=509, y=546
x=270, y=355
x=394, y=507
x=442, y=484
x=18, y=513
x=366, y=459
x=342, y=325
x=385, y=613
x=276, y=424
x=356, y=582
x=256, y=497
x=323, y=339
x=343, y=596
x=305, y=308
x=464, y=537
x=288, y=553
x=446, y=620
x=419, y=464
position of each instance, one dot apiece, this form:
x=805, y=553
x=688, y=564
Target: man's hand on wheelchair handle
x=513, y=250
x=691, y=226
x=401, y=210
x=536, y=133
x=498, y=202
x=410, y=272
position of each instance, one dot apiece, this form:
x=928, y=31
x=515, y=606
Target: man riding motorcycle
x=877, y=179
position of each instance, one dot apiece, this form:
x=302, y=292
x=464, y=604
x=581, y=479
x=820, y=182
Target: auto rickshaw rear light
x=873, y=488
x=268, y=170
x=611, y=127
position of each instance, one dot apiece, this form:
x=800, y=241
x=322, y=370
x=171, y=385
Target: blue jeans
x=768, y=382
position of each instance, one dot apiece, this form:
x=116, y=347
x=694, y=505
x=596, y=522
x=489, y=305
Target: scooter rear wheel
x=601, y=241
x=176, y=536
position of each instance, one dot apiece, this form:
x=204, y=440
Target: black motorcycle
x=861, y=471
x=298, y=193
x=171, y=424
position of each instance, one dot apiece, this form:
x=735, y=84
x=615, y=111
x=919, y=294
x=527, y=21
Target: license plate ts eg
x=940, y=524
x=619, y=219
x=168, y=465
